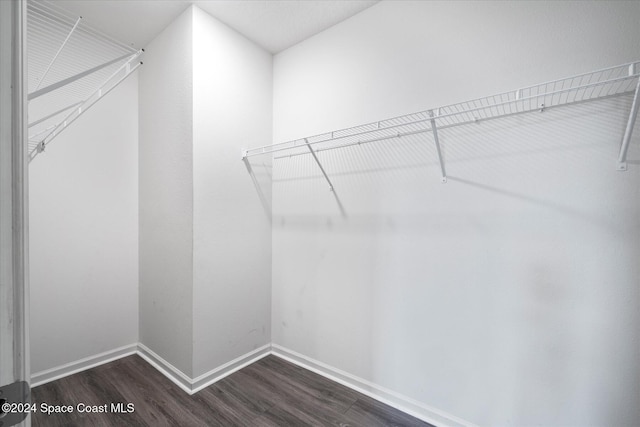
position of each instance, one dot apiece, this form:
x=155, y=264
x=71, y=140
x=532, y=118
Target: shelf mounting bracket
x=626, y=140
x=263, y=200
x=124, y=71
x=315, y=157
x=62, y=110
x=434, y=129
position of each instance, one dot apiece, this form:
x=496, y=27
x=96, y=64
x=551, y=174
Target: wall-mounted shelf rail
x=608, y=82
x=71, y=67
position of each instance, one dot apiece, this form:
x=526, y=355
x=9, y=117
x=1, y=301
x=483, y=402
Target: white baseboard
x=214, y=375
x=58, y=372
x=194, y=385
x=405, y=404
x=174, y=374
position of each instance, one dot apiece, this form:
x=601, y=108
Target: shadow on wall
x=494, y=280
x=536, y=158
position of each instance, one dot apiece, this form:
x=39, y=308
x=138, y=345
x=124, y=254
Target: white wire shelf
x=71, y=66
x=608, y=82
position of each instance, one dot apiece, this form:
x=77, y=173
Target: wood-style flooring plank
x=329, y=393
x=296, y=390
x=270, y=392
x=372, y=413
x=157, y=401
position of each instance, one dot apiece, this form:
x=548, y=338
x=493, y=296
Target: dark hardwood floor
x=270, y=392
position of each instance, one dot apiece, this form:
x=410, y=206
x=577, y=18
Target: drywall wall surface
x=232, y=229
x=166, y=195
x=403, y=56
x=84, y=235
x=507, y=296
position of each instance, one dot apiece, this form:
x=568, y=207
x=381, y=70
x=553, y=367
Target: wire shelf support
x=600, y=84
x=71, y=67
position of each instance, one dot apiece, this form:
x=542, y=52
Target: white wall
x=84, y=235
x=232, y=232
x=204, y=94
x=402, y=56
x=509, y=295
x=166, y=195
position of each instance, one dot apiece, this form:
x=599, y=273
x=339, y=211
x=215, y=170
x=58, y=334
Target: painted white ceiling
x=273, y=24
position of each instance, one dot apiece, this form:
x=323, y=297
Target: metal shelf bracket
x=124, y=71
x=71, y=67
x=434, y=129
x=263, y=199
x=313, y=153
x=626, y=140
x=315, y=157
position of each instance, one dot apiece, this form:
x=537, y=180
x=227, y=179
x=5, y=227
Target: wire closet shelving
x=605, y=83
x=71, y=67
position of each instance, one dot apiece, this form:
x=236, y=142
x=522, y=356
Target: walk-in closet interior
x=432, y=206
